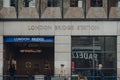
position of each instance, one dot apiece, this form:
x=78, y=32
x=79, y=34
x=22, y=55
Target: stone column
x=1, y=50
x=118, y=56
x=105, y=5
x=66, y=5
x=20, y=5
x=43, y=5
x=87, y=5
x=1, y=57
x=63, y=54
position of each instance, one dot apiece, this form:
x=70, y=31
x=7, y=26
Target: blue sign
x=28, y=39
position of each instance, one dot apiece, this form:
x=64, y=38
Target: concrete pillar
x=118, y=56
x=1, y=57
x=63, y=54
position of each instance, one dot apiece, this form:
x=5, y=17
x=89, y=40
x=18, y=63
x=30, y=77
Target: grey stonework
x=9, y=12
x=43, y=5
x=68, y=12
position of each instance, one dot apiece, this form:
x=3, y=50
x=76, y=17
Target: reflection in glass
x=73, y=8
x=51, y=8
x=28, y=8
x=94, y=57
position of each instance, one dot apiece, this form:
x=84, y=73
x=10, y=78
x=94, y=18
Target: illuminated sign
x=28, y=39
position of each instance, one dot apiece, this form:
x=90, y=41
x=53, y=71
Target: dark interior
x=35, y=57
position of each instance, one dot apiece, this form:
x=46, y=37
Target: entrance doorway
x=31, y=55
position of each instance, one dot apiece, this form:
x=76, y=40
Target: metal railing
x=47, y=77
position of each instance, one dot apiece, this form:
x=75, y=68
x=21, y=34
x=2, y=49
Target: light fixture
x=30, y=51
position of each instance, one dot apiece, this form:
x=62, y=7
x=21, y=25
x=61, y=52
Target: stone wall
x=96, y=12
x=87, y=5
x=43, y=5
x=28, y=12
x=1, y=49
x=74, y=12
x=9, y=12
x=114, y=12
x=66, y=5
x=20, y=5
x=52, y=12
x=105, y=5
x=118, y=56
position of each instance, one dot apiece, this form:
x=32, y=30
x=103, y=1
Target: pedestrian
x=62, y=72
x=100, y=73
x=12, y=71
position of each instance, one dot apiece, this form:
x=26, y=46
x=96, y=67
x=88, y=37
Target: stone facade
x=1, y=56
x=28, y=12
x=43, y=6
x=66, y=5
x=96, y=12
x=62, y=32
x=52, y=12
x=87, y=5
x=8, y=12
x=114, y=12
x=78, y=12
x=68, y=12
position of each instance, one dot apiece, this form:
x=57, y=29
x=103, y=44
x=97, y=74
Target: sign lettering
x=84, y=55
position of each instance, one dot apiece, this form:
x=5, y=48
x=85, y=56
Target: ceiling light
x=30, y=51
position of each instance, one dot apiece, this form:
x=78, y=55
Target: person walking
x=12, y=71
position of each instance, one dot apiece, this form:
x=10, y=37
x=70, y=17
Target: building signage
x=84, y=55
x=28, y=39
x=62, y=27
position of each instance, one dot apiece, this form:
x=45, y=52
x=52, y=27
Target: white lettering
x=77, y=55
x=81, y=55
x=21, y=39
x=37, y=39
x=84, y=55
x=90, y=56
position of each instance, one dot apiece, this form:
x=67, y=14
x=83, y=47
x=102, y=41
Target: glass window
x=29, y=3
x=53, y=3
x=26, y=3
x=96, y=3
x=74, y=3
x=13, y=3
x=94, y=57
